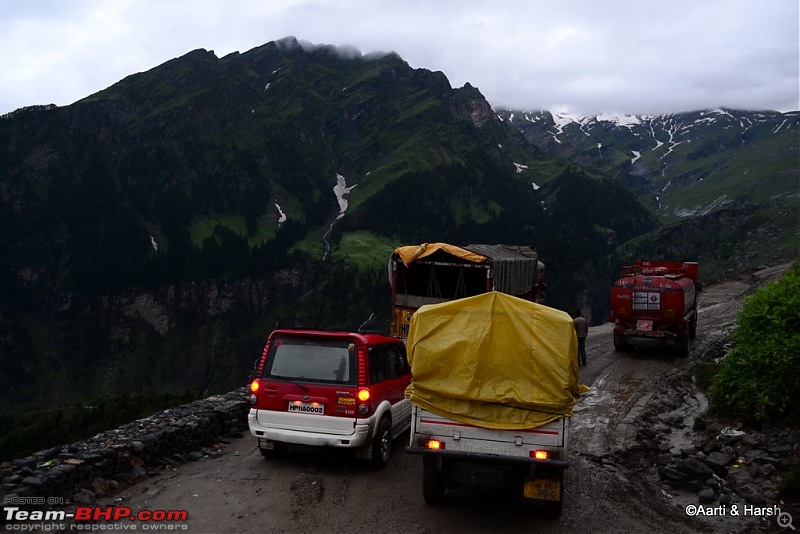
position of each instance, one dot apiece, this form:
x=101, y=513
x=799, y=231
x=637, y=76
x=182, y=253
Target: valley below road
x=612, y=484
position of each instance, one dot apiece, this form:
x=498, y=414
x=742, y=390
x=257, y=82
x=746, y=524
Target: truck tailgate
x=462, y=437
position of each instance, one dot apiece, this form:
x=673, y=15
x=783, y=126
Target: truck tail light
x=434, y=444
x=540, y=455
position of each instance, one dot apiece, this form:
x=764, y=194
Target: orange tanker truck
x=654, y=304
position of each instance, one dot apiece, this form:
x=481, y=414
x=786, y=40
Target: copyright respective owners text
x=37, y=514
x=784, y=519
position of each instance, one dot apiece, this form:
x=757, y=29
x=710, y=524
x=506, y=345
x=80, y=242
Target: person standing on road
x=581, y=330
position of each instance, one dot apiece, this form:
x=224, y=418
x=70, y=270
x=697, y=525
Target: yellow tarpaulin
x=495, y=361
x=414, y=252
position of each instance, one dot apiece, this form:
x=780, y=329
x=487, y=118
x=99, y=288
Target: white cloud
x=581, y=56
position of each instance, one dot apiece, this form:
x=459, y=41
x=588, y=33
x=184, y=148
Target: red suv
x=331, y=389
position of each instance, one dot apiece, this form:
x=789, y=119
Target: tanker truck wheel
x=693, y=327
x=683, y=345
x=621, y=344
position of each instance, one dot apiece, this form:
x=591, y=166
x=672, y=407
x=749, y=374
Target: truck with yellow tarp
x=494, y=382
x=432, y=273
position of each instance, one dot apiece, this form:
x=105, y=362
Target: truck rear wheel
x=552, y=509
x=433, y=485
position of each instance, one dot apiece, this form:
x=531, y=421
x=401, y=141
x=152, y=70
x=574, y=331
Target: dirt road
x=312, y=492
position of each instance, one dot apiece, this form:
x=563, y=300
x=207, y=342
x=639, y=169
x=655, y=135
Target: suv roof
x=365, y=337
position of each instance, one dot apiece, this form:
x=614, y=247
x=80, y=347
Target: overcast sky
x=577, y=56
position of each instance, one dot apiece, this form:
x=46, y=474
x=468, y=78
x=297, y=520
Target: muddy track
x=611, y=486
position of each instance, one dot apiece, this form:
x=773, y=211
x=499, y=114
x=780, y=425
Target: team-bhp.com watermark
x=22, y=514
x=784, y=519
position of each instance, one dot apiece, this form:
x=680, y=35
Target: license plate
x=307, y=407
x=644, y=325
x=543, y=488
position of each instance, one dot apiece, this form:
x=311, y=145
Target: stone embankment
x=86, y=470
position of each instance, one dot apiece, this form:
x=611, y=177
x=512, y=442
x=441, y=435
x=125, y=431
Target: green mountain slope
x=154, y=232
x=725, y=183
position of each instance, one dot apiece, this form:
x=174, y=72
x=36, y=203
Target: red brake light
x=540, y=455
x=254, y=385
x=434, y=444
x=363, y=395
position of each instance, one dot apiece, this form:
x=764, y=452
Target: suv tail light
x=364, y=406
x=255, y=385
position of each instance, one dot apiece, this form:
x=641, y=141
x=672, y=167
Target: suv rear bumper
x=360, y=436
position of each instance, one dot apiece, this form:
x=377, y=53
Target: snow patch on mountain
x=627, y=121
x=281, y=214
x=699, y=210
x=342, y=192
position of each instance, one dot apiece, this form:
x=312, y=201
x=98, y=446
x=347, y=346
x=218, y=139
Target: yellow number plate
x=543, y=488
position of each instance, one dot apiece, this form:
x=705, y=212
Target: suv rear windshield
x=312, y=360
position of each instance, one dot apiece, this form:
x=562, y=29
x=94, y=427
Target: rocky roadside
x=688, y=457
x=85, y=471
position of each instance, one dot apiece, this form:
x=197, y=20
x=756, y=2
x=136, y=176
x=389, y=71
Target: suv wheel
x=382, y=444
x=275, y=452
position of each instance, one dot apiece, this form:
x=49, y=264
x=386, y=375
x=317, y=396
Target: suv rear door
x=306, y=377
x=390, y=375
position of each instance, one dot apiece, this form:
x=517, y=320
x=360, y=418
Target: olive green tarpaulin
x=495, y=361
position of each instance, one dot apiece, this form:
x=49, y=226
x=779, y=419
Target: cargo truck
x=433, y=273
x=654, y=304
x=494, y=382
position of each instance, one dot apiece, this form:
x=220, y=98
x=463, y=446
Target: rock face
x=99, y=466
